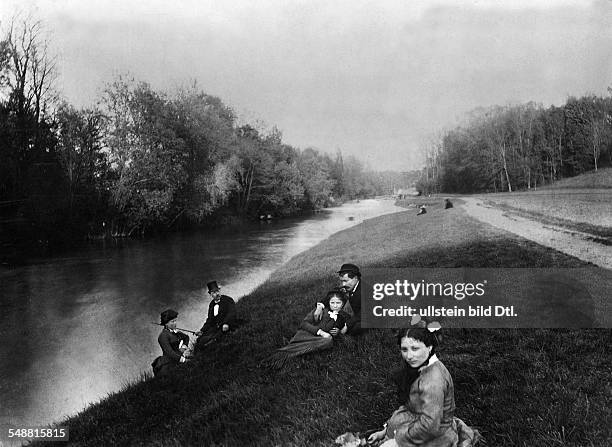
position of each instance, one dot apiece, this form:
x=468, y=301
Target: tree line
x=520, y=147
x=142, y=160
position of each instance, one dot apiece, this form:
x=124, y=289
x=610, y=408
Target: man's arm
x=230, y=311
x=355, y=300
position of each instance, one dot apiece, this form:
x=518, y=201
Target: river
x=78, y=327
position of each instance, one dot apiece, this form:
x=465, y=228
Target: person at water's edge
x=350, y=280
x=174, y=344
x=221, y=313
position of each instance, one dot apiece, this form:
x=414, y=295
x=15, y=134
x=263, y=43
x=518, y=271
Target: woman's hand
x=376, y=436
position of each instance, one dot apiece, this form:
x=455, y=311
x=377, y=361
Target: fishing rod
x=178, y=328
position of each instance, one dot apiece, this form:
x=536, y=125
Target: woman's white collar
x=433, y=359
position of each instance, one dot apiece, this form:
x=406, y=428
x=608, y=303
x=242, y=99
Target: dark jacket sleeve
x=164, y=340
x=343, y=317
x=355, y=300
x=309, y=324
x=230, y=310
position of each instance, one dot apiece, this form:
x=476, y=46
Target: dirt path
x=567, y=241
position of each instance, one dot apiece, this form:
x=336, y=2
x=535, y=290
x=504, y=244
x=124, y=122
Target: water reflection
x=76, y=328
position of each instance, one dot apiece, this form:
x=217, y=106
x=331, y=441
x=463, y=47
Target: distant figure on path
x=175, y=345
x=221, y=313
x=422, y=210
x=316, y=331
x=447, y=204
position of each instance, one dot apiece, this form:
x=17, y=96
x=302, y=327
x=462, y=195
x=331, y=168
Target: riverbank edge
x=224, y=398
x=22, y=251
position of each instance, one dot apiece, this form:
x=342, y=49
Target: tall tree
x=80, y=151
x=27, y=75
x=314, y=171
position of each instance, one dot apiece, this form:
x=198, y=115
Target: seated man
x=350, y=280
x=221, y=312
x=447, y=204
x=422, y=210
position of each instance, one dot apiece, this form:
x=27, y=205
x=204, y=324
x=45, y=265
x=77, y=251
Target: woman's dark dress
x=169, y=342
x=306, y=339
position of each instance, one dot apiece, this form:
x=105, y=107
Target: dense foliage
x=521, y=147
x=142, y=160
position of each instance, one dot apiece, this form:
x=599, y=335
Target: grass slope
x=582, y=203
x=602, y=178
x=521, y=387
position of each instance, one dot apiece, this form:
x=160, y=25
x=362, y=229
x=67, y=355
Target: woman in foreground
x=427, y=418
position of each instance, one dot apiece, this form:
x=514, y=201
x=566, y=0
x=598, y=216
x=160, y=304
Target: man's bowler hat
x=349, y=268
x=213, y=287
x=168, y=315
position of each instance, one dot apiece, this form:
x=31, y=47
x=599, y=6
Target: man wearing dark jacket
x=350, y=279
x=221, y=313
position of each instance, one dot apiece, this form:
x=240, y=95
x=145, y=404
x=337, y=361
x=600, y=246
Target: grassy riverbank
x=521, y=387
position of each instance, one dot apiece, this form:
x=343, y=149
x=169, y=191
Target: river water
x=76, y=328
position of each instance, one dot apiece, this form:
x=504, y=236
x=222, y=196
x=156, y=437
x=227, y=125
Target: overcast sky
x=372, y=78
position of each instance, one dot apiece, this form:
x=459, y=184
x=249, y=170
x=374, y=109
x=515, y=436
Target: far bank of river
x=81, y=324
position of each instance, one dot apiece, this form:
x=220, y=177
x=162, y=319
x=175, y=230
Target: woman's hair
x=338, y=293
x=419, y=334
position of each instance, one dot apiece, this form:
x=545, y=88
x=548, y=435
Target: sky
x=375, y=79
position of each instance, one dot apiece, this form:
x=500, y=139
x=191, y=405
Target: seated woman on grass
x=316, y=331
x=427, y=416
x=176, y=346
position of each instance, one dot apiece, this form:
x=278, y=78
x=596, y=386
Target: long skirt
x=303, y=342
x=163, y=366
x=459, y=434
